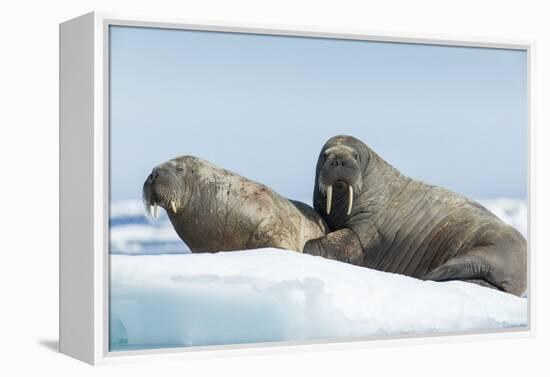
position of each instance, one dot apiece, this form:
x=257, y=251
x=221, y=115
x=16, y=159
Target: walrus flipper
x=342, y=245
x=470, y=267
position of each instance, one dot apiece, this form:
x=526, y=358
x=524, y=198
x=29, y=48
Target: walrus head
x=165, y=188
x=340, y=168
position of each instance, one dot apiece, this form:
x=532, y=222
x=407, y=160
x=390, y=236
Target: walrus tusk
x=154, y=211
x=329, y=199
x=173, y=205
x=350, y=199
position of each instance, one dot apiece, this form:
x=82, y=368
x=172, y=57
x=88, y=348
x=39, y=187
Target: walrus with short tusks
x=213, y=209
x=384, y=220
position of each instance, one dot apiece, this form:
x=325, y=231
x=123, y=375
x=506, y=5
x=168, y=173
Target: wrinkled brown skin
x=218, y=210
x=408, y=227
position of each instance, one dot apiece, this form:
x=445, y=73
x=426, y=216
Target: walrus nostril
x=336, y=162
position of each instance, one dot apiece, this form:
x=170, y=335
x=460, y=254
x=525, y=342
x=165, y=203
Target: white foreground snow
x=275, y=295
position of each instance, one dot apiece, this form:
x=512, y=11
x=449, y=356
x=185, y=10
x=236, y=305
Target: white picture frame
x=84, y=188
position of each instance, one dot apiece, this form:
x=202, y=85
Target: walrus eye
x=356, y=156
x=179, y=170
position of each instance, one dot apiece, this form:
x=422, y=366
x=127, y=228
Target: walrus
x=213, y=209
x=381, y=219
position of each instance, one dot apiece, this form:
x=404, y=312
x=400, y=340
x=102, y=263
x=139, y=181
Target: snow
x=275, y=295
x=133, y=232
x=511, y=211
x=163, y=296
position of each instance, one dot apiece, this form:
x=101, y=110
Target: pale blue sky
x=263, y=106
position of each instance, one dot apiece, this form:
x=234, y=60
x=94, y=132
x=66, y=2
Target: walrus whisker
x=350, y=198
x=329, y=199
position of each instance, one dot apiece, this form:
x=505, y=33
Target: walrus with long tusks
x=384, y=220
x=213, y=209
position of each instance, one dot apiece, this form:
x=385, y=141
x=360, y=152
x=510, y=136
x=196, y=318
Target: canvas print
x=268, y=188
